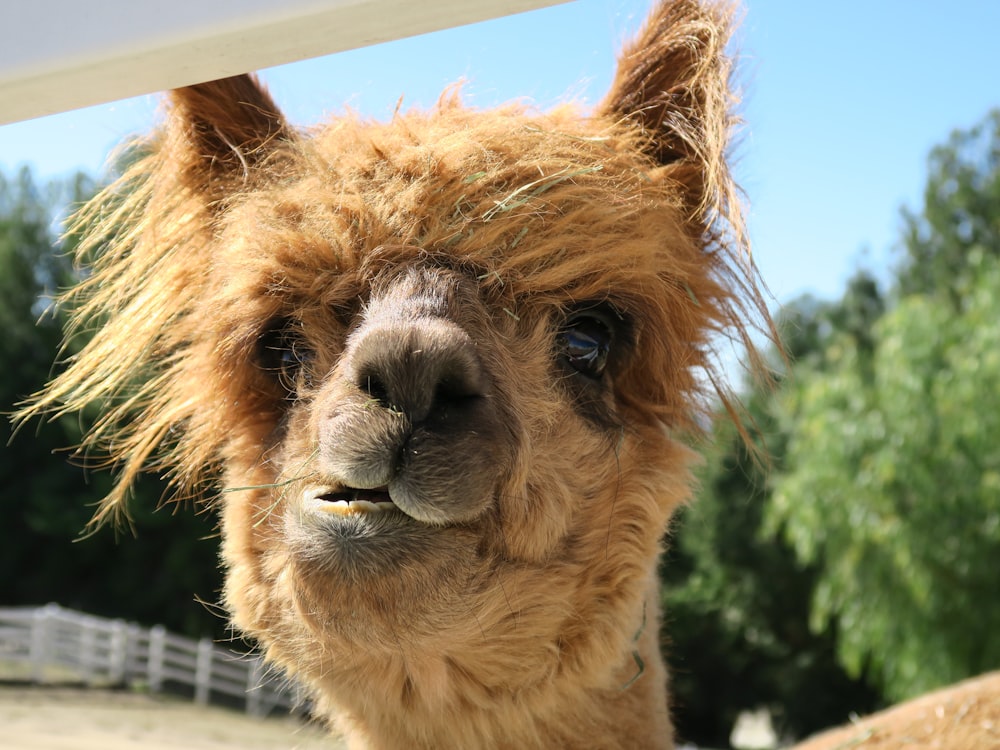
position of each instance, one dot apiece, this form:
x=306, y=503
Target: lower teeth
x=345, y=507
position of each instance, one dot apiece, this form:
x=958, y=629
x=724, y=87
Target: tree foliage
x=892, y=484
x=893, y=488
x=47, y=498
x=737, y=600
x=960, y=216
x=861, y=566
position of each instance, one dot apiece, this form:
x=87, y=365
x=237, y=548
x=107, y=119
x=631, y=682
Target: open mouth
x=347, y=501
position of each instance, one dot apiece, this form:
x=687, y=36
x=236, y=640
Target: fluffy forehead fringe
x=553, y=206
x=544, y=203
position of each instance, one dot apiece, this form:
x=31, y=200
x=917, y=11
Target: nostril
x=447, y=393
x=456, y=388
x=458, y=381
x=421, y=371
x=371, y=383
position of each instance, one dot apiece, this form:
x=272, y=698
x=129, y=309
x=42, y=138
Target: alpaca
x=444, y=371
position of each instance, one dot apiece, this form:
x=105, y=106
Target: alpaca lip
x=348, y=501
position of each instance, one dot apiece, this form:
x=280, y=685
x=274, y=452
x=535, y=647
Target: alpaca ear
x=220, y=133
x=672, y=82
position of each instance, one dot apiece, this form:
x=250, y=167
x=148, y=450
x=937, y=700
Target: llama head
x=439, y=368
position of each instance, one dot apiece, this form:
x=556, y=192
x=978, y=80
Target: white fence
x=53, y=644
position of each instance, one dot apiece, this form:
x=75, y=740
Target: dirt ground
x=41, y=718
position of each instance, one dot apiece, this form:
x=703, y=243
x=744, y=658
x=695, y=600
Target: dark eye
x=585, y=341
x=283, y=353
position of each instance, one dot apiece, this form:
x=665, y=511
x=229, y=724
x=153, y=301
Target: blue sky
x=842, y=102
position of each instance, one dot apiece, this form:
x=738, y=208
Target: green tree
x=892, y=479
x=736, y=600
x=46, y=498
x=960, y=213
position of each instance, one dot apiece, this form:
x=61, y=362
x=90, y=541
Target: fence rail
x=52, y=643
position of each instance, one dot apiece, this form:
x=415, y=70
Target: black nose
x=419, y=368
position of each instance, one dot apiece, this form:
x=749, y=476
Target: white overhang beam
x=57, y=55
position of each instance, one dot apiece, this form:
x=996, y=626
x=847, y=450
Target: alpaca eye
x=283, y=353
x=585, y=342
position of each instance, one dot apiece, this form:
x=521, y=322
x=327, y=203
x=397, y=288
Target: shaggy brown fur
x=965, y=716
x=441, y=368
